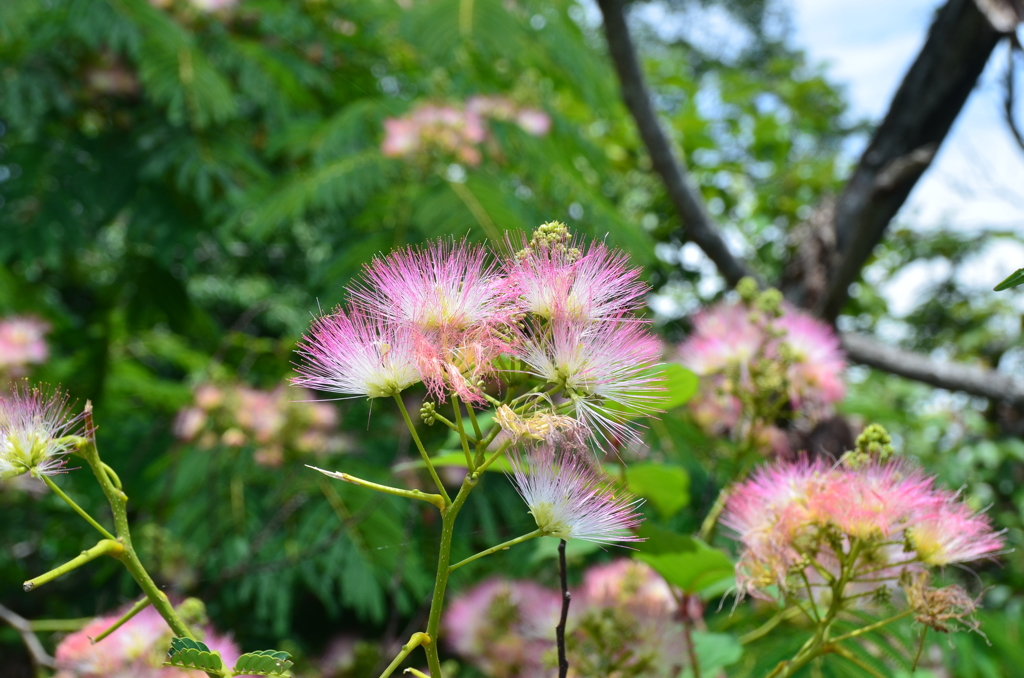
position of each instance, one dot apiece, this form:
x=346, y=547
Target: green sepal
x=186, y=653
x=263, y=663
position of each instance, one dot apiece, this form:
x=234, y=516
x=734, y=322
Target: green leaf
x=681, y=384
x=667, y=487
x=714, y=652
x=264, y=663
x=685, y=561
x=1016, y=278
x=186, y=653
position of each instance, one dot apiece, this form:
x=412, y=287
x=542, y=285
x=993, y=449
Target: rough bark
x=951, y=376
x=930, y=98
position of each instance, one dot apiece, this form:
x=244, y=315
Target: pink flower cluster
x=727, y=341
x=507, y=628
x=22, y=343
x=275, y=421
x=445, y=315
x=136, y=650
x=461, y=323
x=457, y=130
x=889, y=517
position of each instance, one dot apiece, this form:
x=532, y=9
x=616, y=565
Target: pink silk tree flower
x=564, y=281
x=37, y=431
x=768, y=513
x=356, y=355
x=818, y=369
x=570, y=498
x=788, y=514
x=443, y=287
x=877, y=500
x=452, y=302
x=606, y=369
x=949, y=531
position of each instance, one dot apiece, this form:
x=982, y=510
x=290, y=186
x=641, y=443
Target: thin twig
x=32, y=644
x=563, y=661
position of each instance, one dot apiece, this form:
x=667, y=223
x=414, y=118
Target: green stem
x=472, y=419
x=435, y=499
x=462, y=432
x=872, y=627
x=920, y=649
x=415, y=641
x=448, y=423
x=105, y=547
x=494, y=457
x=125, y=618
x=423, y=451
x=78, y=509
x=441, y=581
x=855, y=660
x=62, y=625
x=113, y=476
x=768, y=626
x=494, y=549
x=707, y=528
x=118, y=501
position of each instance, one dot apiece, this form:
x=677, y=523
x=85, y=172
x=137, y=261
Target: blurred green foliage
x=182, y=189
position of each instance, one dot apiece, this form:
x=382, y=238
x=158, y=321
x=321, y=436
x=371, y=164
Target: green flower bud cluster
x=427, y=413
x=873, y=444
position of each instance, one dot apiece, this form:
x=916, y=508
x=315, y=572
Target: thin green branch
x=435, y=499
x=855, y=660
x=462, y=432
x=494, y=457
x=920, y=649
x=78, y=509
x=872, y=627
x=125, y=618
x=768, y=626
x=105, y=547
x=476, y=424
x=423, y=451
x=415, y=641
x=494, y=549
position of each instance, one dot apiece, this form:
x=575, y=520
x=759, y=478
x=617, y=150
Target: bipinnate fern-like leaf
x=186, y=653
x=264, y=663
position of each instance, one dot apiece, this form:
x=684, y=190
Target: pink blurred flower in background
x=504, y=627
x=136, y=650
x=276, y=421
x=22, y=343
x=456, y=130
x=727, y=341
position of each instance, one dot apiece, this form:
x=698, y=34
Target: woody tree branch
x=929, y=99
x=699, y=226
x=889, y=169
